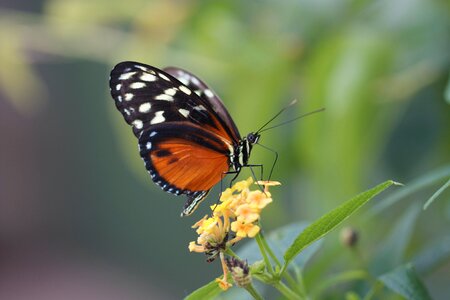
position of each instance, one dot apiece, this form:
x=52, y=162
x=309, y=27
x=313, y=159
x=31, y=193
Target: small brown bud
x=349, y=237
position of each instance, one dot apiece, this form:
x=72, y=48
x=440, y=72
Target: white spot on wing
x=208, y=93
x=148, y=77
x=126, y=76
x=153, y=133
x=119, y=98
x=128, y=96
x=199, y=107
x=118, y=87
x=148, y=146
x=137, y=85
x=138, y=124
x=184, y=80
x=141, y=67
x=164, y=97
x=195, y=81
x=170, y=92
x=126, y=111
x=159, y=118
x=163, y=76
x=184, y=112
x=145, y=107
x=185, y=90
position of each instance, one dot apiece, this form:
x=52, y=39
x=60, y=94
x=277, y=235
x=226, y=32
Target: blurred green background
x=79, y=215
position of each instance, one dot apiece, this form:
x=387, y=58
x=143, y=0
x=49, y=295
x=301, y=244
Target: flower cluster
x=233, y=219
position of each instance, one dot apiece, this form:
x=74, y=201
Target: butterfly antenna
x=299, y=117
x=274, y=117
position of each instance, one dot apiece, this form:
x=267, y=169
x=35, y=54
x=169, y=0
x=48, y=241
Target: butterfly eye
x=253, y=137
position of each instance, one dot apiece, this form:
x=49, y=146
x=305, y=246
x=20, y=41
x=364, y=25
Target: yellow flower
x=238, y=211
x=242, y=185
x=226, y=194
x=200, y=222
x=247, y=213
x=267, y=183
x=193, y=247
x=243, y=229
x=259, y=199
x=207, y=225
x=222, y=208
x=223, y=283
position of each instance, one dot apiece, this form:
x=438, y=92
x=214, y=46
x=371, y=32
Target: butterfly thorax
x=242, y=149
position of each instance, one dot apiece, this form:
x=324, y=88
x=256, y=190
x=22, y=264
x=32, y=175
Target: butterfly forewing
x=146, y=96
x=207, y=94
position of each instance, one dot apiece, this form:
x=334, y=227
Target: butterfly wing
x=183, y=139
x=207, y=94
x=146, y=95
x=183, y=158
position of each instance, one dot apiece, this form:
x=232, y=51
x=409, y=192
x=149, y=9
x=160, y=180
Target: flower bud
x=239, y=271
x=349, y=237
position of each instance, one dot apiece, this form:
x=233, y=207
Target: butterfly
x=186, y=136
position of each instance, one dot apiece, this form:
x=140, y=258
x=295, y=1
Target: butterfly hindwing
x=183, y=158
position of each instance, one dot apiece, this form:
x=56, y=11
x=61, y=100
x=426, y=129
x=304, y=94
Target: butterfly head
x=242, y=150
x=253, y=137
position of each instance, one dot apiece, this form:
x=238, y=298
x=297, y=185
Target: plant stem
x=251, y=290
x=300, y=287
x=231, y=253
x=268, y=249
x=264, y=253
x=287, y=292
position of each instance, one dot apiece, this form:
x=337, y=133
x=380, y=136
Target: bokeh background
x=79, y=216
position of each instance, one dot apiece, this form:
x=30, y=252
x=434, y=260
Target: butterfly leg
x=234, y=177
x=254, y=176
x=274, y=161
x=261, y=170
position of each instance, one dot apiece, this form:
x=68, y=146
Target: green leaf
x=417, y=184
x=329, y=221
x=392, y=248
x=405, y=281
x=436, y=194
x=208, y=291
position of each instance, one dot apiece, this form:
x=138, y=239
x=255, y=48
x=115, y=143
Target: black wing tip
x=119, y=67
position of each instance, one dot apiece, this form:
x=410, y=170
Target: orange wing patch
x=187, y=165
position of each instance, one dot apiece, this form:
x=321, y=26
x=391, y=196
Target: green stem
x=251, y=290
x=292, y=283
x=300, y=286
x=264, y=254
x=287, y=292
x=230, y=252
x=268, y=249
